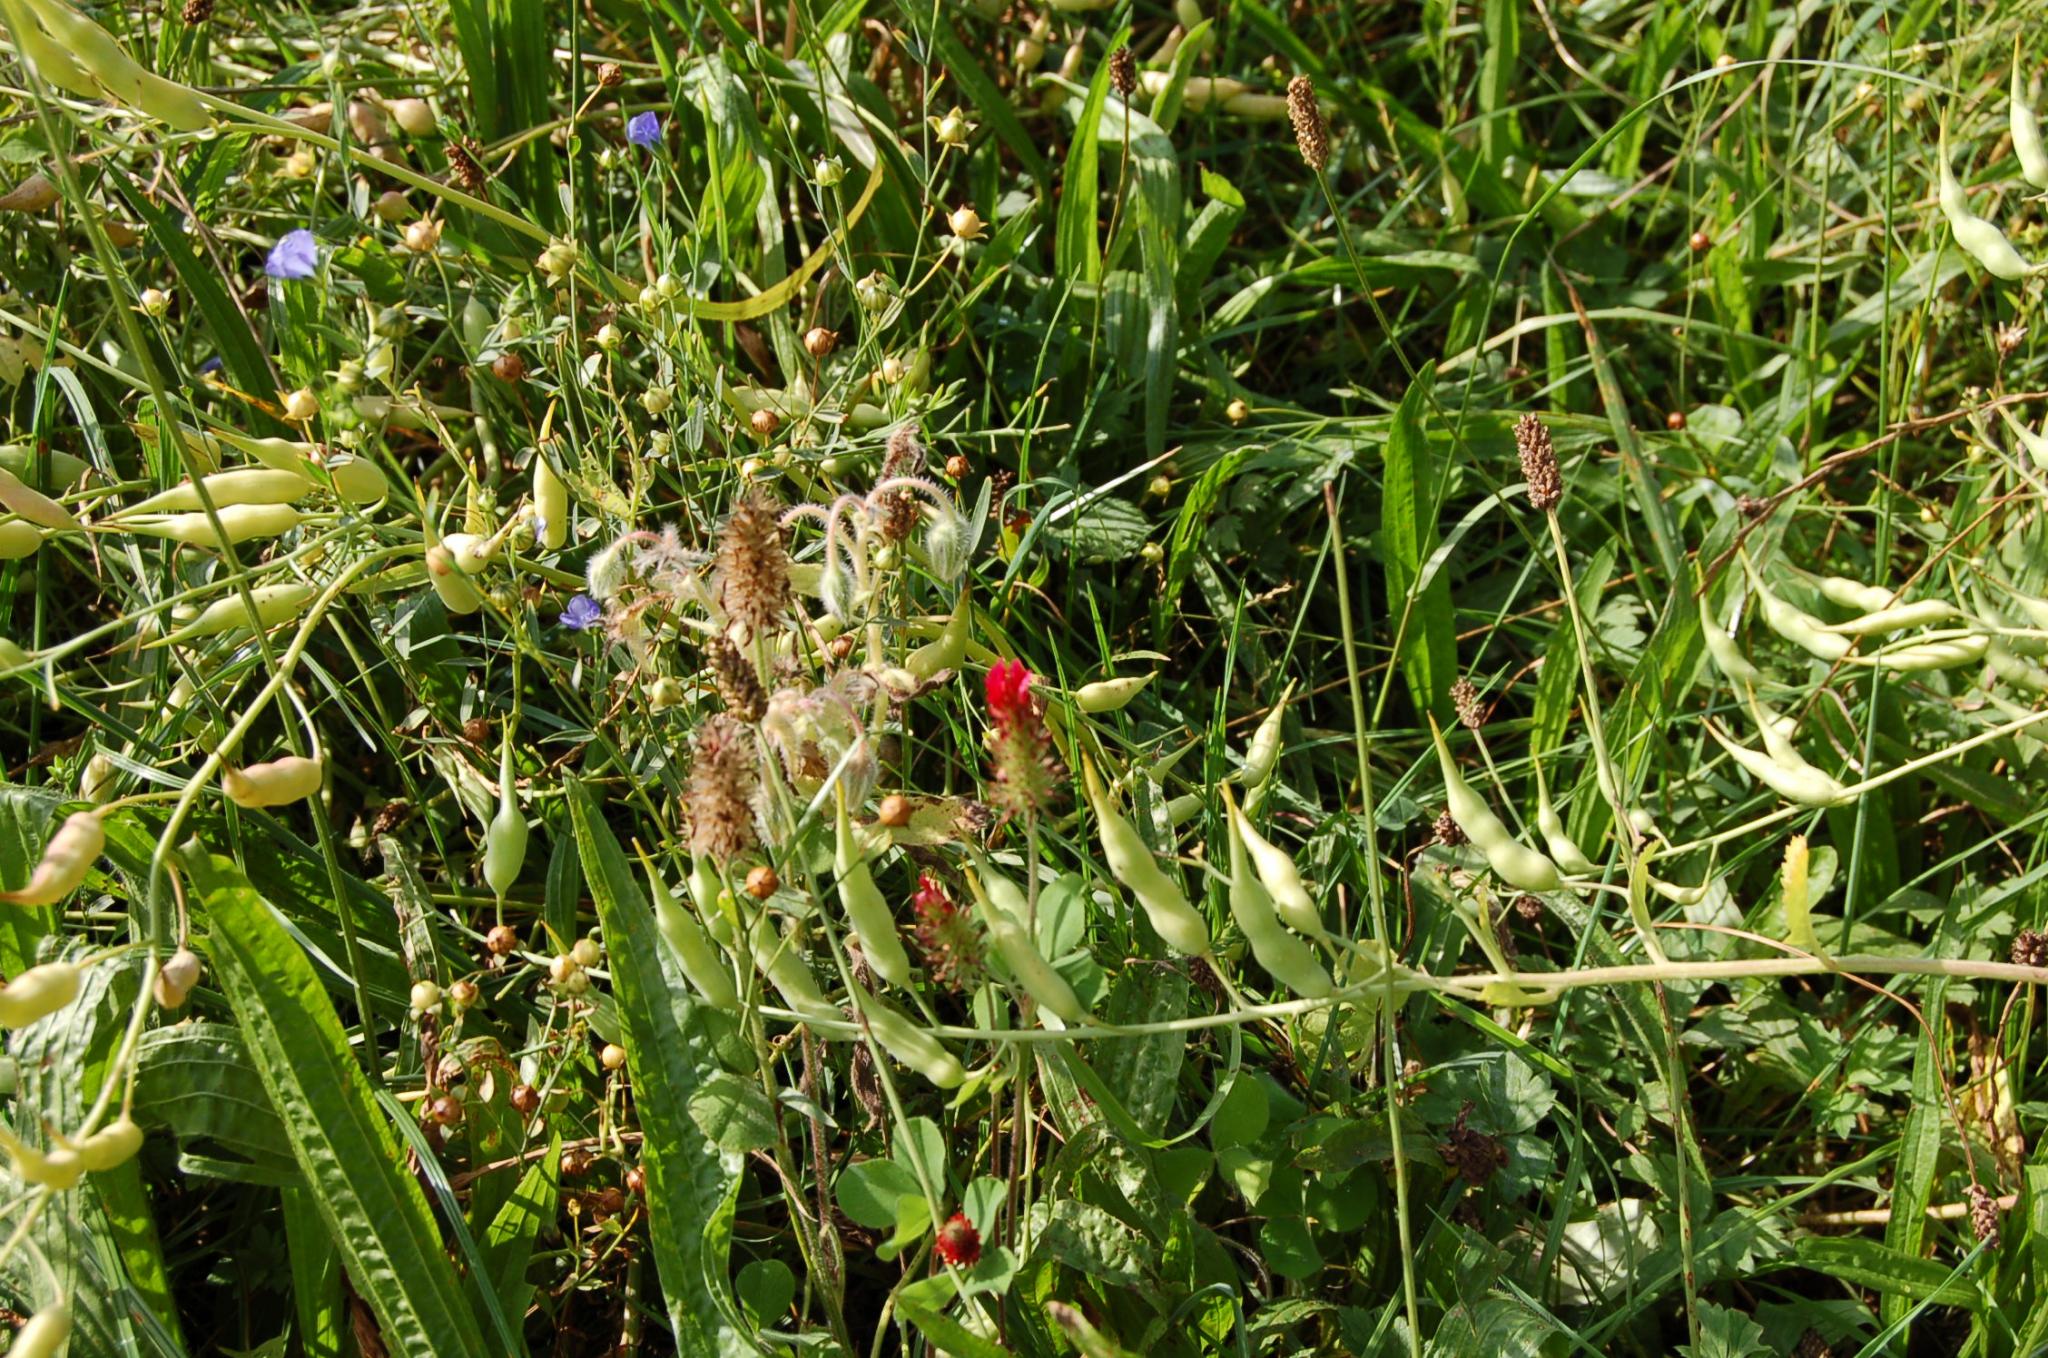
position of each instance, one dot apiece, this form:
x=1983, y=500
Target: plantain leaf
x=1426, y=637
x=374, y=1210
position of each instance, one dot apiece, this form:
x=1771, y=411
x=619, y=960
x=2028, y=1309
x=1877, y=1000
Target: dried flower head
x=946, y=935
x=2030, y=948
x=753, y=566
x=1465, y=698
x=1446, y=830
x=1539, y=463
x=905, y=457
x=723, y=778
x=1530, y=908
x=1984, y=1215
x=1310, y=132
x=739, y=687
x=466, y=164
x=1026, y=774
x=1123, y=72
x=1474, y=1155
x=197, y=11
x=609, y=75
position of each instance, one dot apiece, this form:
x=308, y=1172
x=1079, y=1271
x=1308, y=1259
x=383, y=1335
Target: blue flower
x=582, y=614
x=644, y=129
x=296, y=255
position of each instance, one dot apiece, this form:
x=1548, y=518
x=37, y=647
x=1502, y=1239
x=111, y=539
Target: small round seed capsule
x=1675, y=421
x=502, y=939
x=1700, y=242
x=894, y=811
x=957, y=467
x=575, y=1164
x=426, y=998
x=1237, y=412
x=818, y=341
x=586, y=952
x=525, y=1100
x=446, y=1110
x=562, y=967
x=765, y=423
x=636, y=1181
x=762, y=882
x=462, y=995
x=613, y=1056
x=509, y=367
x=175, y=979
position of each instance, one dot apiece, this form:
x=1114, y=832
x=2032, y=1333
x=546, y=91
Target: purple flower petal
x=644, y=129
x=582, y=614
x=296, y=255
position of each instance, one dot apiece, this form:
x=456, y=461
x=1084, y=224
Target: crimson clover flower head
x=1009, y=694
x=959, y=1244
x=296, y=255
x=1026, y=775
x=946, y=935
x=644, y=129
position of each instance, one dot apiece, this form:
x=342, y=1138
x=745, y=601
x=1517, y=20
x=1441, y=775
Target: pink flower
x=1027, y=775
x=1009, y=694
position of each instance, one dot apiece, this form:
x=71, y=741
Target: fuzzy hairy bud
x=753, y=565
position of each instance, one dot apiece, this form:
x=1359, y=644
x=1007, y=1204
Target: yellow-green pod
x=693, y=949
x=786, y=971
x=1002, y=914
x=357, y=480
x=873, y=923
x=2035, y=444
x=274, y=604
x=1512, y=861
x=1176, y=922
x=1109, y=695
x=2026, y=127
x=550, y=503
x=111, y=1146
x=19, y=539
x=37, y=993
x=1286, y=958
x=58, y=1168
x=239, y=523
x=1797, y=626
x=1563, y=850
x=505, y=838
x=1721, y=648
x=44, y=1335
x=453, y=589
x=1264, y=750
x=1801, y=784
x=237, y=486
x=65, y=861
x=117, y=73
x=2001, y=661
x=1277, y=873
x=1929, y=655
x=913, y=1046
x=280, y=782
x=1980, y=239
x=20, y=498
x=52, y=62
x=949, y=649
x=1840, y=589
x=1896, y=618
x=706, y=892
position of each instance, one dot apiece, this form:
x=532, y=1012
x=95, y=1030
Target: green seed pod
x=1184, y=808
x=2026, y=127
x=706, y=893
x=274, y=604
x=1981, y=240
x=1722, y=650
x=505, y=838
x=913, y=1046
x=65, y=861
x=1796, y=625
x=111, y=1146
x=1264, y=750
x=457, y=595
x=1793, y=893
x=1840, y=589
x=52, y=62
x=550, y=503
x=57, y=1169
x=1929, y=655
x=472, y=553
x=19, y=539
x=1286, y=958
x=37, y=993
x=1512, y=861
x=280, y=782
x=45, y=1334
x=865, y=908
x=1003, y=907
x=692, y=947
x=239, y=486
x=1802, y=785
x=117, y=73
x=24, y=500
x=2035, y=444
x=1896, y=618
x=1109, y=695
x=2014, y=670
x=1179, y=924
x=239, y=523
x=357, y=481
x=1277, y=873
x=934, y=658
x=786, y=971
x=1563, y=851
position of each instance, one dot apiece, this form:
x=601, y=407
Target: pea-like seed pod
x=505, y=838
x=1563, y=851
x=1796, y=625
x=1512, y=861
x=1131, y=862
x=37, y=993
x=66, y=859
x=1286, y=958
x=1722, y=650
x=117, y=73
x=1792, y=891
x=37, y=193
x=274, y=604
x=1277, y=873
x=175, y=979
x=866, y=910
x=57, y=1169
x=45, y=1334
x=913, y=1046
x=1896, y=618
x=1981, y=240
x=2026, y=127
x=1109, y=695
x=1003, y=908
x=786, y=971
x=550, y=503
x=19, y=539
x=20, y=498
x=705, y=892
x=692, y=947
x=1840, y=589
x=453, y=589
x=278, y=782
x=1184, y=808
x=357, y=481
x=2001, y=661
x=239, y=523
x=111, y=1146
x=471, y=553
x=239, y=486
x=1801, y=784
x=948, y=649
x=1929, y=655
x=1264, y=750
x=50, y=58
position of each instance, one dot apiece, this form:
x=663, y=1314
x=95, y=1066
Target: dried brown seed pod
x=609, y=75
x=1311, y=134
x=509, y=367
x=1539, y=463
x=2030, y=948
x=762, y=882
x=525, y=1100
x=1465, y=699
x=502, y=939
x=739, y=687
x=1123, y=72
x=894, y=811
x=466, y=164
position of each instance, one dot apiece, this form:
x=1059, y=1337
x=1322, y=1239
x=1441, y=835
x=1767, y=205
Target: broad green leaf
x=1919, y=1149
x=508, y=1244
x=868, y=1191
x=1422, y=621
x=352, y=1162
x=733, y=1112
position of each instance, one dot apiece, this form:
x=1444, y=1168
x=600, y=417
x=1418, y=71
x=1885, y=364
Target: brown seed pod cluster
x=1465, y=700
x=753, y=565
x=724, y=772
x=739, y=687
x=466, y=165
x=1123, y=72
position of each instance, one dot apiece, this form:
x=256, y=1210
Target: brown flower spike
x=1465, y=699
x=739, y=688
x=465, y=163
x=1539, y=463
x=1311, y=134
x=753, y=566
x=1123, y=72
x=724, y=772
